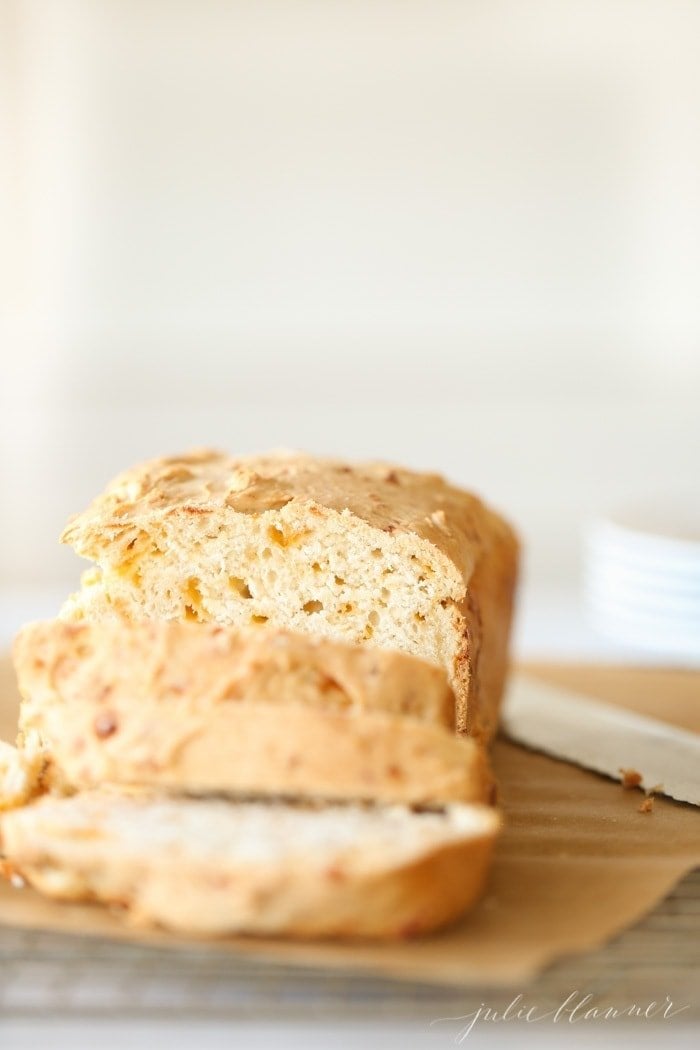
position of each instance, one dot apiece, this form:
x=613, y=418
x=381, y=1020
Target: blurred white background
x=461, y=235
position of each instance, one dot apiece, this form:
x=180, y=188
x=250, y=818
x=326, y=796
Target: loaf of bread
x=213, y=867
x=205, y=708
x=360, y=553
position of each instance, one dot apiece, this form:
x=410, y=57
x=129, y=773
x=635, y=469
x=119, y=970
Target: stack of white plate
x=642, y=580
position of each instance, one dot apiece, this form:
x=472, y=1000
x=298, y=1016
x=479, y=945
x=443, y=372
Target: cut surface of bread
x=215, y=867
x=361, y=553
x=202, y=708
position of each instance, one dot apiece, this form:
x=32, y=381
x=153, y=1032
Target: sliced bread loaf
x=361, y=553
x=203, y=708
x=214, y=867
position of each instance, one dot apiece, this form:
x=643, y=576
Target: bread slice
x=214, y=867
x=202, y=708
x=362, y=553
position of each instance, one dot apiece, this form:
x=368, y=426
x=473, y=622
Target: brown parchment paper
x=576, y=864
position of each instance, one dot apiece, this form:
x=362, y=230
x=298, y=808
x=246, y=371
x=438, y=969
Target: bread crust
x=363, y=884
x=473, y=551
x=203, y=708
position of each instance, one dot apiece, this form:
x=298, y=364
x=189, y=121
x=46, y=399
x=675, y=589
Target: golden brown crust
x=488, y=610
x=386, y=497
x=203, y=708
x=473, y=550
x=338, y=872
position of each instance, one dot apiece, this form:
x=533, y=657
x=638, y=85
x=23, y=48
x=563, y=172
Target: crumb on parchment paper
x=631, y=778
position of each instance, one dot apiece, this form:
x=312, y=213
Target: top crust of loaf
x=383, y=496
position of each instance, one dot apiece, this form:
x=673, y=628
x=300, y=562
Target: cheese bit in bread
x=361, y=553
x=200, y=707
x=213, y=867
